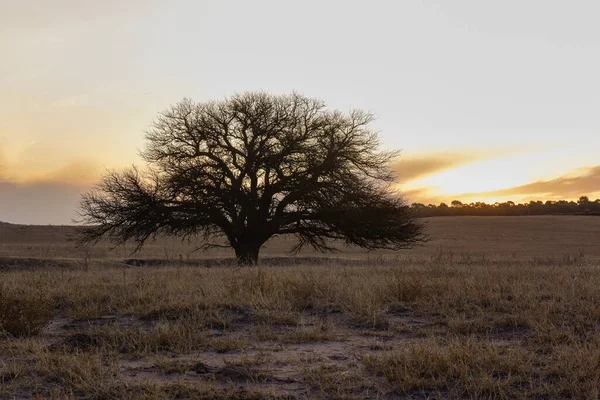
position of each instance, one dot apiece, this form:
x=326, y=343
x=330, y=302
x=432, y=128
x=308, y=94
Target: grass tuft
x=24, y=313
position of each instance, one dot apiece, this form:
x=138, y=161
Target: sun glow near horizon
x=552, y=174
x=474, y=178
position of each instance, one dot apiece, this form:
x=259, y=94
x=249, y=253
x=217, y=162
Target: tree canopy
x=251, y=167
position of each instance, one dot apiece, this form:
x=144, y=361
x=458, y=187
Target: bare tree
x=252, y=167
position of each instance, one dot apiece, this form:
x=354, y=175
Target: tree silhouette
x=456, y=203
x=562, y=207
x=252, y=167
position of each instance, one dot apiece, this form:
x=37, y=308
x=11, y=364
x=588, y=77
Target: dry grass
x=500, y=330
x=432, y=325
x=456, y=367
x=24, y=311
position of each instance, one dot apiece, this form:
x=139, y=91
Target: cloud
x=77, y=173
x=416, y=167
x=39, y=202
x=49, y=199
x=4, y=177
x=580, y=182
x=424, y=196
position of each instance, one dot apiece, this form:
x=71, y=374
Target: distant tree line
x=583, y=206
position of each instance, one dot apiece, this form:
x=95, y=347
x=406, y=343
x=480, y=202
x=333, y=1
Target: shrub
x=21, y=315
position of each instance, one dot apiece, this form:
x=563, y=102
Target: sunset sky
x=489, y=101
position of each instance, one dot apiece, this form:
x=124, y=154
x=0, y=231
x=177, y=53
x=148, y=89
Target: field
x=489, y=308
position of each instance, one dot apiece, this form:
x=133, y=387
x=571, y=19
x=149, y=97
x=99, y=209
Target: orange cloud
x=578, y=183
x=568, y=186
x=79, y=172
x=415, y=167
x=423, y=196
x=76, y=173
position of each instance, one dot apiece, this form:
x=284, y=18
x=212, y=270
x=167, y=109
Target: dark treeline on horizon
x=583, y=206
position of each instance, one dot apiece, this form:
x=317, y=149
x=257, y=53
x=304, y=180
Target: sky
x=488, y=101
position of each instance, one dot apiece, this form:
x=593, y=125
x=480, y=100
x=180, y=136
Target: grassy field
x=489, y=308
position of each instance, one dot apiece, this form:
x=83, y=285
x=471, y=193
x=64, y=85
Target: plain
x=491, y=307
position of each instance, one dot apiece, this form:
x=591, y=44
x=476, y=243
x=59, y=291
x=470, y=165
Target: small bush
x=23, y=316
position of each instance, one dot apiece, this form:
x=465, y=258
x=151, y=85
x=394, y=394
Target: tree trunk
x=247, y=253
